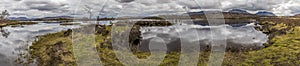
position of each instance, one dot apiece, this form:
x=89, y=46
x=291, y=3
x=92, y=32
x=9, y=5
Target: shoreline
x=8, y=23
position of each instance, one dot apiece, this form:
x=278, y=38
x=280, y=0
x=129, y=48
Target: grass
x=284, y=50
x=52, y=49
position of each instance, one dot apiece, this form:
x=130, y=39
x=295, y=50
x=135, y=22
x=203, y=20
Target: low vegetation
x=51, y=50
x=283, y=49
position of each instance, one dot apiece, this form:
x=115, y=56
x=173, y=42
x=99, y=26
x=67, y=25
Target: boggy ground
x=283, y=49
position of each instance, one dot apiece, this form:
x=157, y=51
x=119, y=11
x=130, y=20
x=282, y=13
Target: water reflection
x=16, y=39
x=242, y=37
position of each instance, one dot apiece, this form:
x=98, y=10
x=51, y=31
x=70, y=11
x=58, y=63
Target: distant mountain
x=55, y=17
x=264, y=13
x=40, y=19
x=65, y=17
x=196, y=13
x=238, y=11
x=232, y=14
x=297, y=15
x=19, y=18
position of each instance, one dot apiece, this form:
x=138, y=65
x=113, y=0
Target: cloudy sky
x=114, y=8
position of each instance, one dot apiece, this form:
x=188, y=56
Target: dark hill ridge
x=238, y=11
x=196, y=13
x=18, y=18
x=297, y=15
x=234, y=14
x=55, y=18
x=233, y=11
x=45, y=18
x=227, y=15
x=265, y=13
x=67, y=17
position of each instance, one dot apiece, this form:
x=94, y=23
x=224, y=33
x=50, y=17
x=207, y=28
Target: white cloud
x=40, y=8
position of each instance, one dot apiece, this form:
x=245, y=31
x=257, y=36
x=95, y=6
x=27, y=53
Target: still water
x=238, y=36
x=15, y=39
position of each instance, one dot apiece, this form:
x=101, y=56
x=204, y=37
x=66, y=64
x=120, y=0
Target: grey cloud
x=125, y=1
x=199, y=4
x=43, y=5
x=17, y=0
x=254, y=5
x=295, y=10
x=19, y=14
x=163, y=1
x=20, y=9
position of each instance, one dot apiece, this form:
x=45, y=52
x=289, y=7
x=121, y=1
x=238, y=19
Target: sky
x=115, y=8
